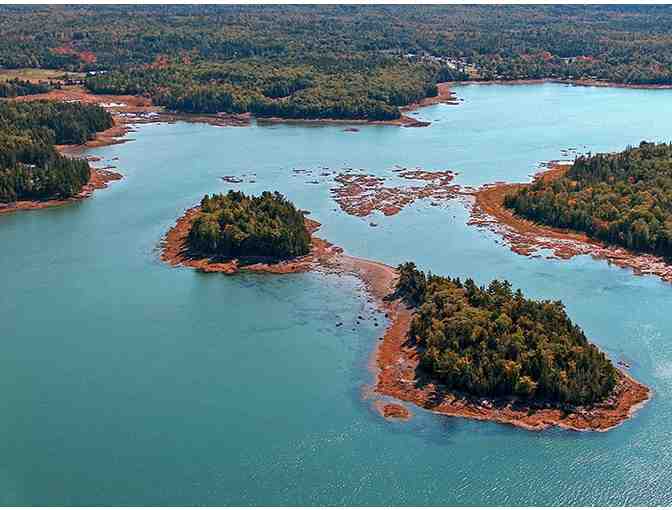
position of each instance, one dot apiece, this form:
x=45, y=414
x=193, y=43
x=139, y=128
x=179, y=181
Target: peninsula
x=612, y=206
x=33, y=174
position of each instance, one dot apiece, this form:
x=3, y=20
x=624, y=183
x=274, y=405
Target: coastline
x=394, y=360
x=560, y=81
x=527, y=238
x=398, y=377
x=444, y=96
x=175, y=252
x=100, y=179
x=127, y=109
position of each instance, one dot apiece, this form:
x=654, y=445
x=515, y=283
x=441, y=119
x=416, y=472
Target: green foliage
x=491, y=341
x=626, y=44
x=623, y=198
x=236, y=225
x=267, y=89
x=17, y=87
x=30, y=167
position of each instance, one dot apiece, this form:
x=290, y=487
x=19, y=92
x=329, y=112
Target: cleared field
x=36, y=75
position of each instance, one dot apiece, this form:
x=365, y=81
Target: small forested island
x=622, y=199
x=31, y=169
x=490, y=353
x=231, y=231
x=237, y=225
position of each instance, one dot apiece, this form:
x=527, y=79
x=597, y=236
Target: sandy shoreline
x=527, y=238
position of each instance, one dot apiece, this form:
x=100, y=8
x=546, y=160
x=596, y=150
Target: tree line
x=17, y=87
x=494, y=342
x=626, y=44
x=623, y=198
x=341, y=91
x=30, y=166
x=237, y=225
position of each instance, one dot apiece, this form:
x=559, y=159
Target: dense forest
x=17, y=87
x=30, y=166
x=492, y=341
x=237, y=225
x=332, y=61
x=623, y=198
x=267, y=89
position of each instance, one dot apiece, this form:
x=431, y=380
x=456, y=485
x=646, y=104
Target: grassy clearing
x=36, y=75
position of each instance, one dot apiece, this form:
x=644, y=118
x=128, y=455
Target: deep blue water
x=124, y=381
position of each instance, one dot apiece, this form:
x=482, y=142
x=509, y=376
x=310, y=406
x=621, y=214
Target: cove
x=124, y=380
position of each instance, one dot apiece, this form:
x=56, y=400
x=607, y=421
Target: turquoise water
x=124, y=381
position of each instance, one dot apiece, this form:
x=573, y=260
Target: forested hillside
x=332, y=61
x=623, y=198
x=30, y=166
x=492, y=341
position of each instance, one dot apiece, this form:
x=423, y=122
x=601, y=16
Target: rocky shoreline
x=100, y=179
x=395, y=360
x=398, y=376
x=527, y=238
x=174, y=251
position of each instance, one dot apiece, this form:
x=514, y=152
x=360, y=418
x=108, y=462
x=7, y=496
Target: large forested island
x=30, y=166
x=492, y=341
x=363, y=62
x=623, y=199
x=490, y=353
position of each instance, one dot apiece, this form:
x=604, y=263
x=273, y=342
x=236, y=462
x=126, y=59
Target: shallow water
x=124, y=381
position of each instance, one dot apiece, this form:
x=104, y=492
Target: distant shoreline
x=560, y=81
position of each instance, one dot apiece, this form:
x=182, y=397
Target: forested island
x=227, y=233
x=492, y=341
x=237, y=225
x=490, y=353
x=364, y=62
x=30, y=166
x=621, y=199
